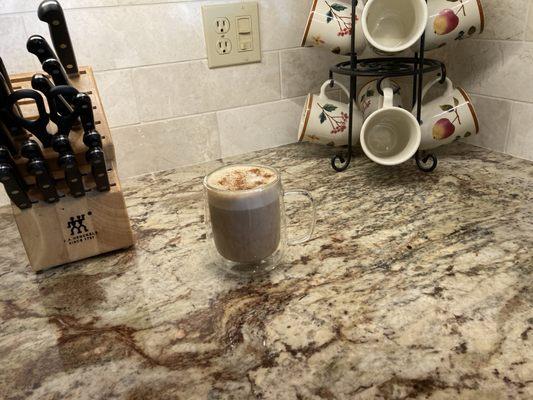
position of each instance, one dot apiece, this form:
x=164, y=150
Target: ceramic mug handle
x=328, y=83
x=448, y=92
x=305, y=237
x=388, y=98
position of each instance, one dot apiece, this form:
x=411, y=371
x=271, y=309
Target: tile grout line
x=205, y=113
x=526, y=24
x=514, y=41
x=498, y=97
x=280, y=76
x=508, y=129
x=168, y=63
x=10, y=13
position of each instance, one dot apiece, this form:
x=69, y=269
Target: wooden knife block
x=73, y=228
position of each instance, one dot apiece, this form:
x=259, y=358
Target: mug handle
x=329, y=83
x=388, y=98
x=304, y=238
x=448, y=92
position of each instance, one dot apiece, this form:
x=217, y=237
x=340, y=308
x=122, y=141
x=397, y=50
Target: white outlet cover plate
x=231, y=11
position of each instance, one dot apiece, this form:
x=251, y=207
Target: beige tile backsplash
x=169, y=90
x=497, y=69
x=166, y=108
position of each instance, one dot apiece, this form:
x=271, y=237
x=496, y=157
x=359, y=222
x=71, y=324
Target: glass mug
x=245, y=217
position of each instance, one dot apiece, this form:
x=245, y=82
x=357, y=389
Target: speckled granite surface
x=414, y=286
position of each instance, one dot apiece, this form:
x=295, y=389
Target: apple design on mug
x=445, y=22
x=443, y=129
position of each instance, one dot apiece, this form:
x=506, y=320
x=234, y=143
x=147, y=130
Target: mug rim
x=379, y=160
x=276, y=181
x=308, y=23
x=481, y=16
x=397, y=49
x=470, y=106
x=304, y=119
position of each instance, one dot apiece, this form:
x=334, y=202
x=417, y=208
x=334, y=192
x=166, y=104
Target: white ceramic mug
x=392, y=26
x=391, y=135
x=449, y=21
x=448, y=117
x=325, y=120
x=369, y=97
x=329, y=25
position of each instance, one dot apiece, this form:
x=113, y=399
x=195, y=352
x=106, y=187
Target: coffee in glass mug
x=246, y=216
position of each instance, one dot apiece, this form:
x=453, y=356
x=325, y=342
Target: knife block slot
x=72, y=229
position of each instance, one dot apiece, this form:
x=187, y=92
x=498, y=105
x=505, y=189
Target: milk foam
x=236, y=178
x=242, y=187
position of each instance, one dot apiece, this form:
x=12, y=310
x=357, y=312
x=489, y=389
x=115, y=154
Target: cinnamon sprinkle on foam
x=245, y=178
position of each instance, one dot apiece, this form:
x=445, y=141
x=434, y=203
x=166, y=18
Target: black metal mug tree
x=388, y=67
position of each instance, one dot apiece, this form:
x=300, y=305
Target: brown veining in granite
x=413, y=286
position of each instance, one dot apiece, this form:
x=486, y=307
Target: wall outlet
x=231, y=33
x=224, y=46
x=222, y=25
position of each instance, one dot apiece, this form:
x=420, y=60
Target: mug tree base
x=426, y=162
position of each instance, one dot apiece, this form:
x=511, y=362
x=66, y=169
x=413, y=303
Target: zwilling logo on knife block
x=78, y=230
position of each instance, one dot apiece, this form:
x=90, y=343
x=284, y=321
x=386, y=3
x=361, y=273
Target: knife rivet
x=63, y=46
x=70, y=66
x=56, y=22
x=46, y=186
x=15, y=192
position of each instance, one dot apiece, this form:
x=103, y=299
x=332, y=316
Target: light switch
x=244, y=24
x=232, y=33
x=246, y=46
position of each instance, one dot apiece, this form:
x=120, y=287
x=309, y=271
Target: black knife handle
x=16, y=193
x=5, y=139
x=6, y=158
x=96, y=158
x=67, y=161
x=37, y=126
x=50, y=11
x=7, y=81
x=73, y=175
x=45, y=181
x=8, y=116
x=3, y=72
x=54, y=68
x=44, y=85
x=84, y=106
x=64, y=121
x=92, y=139
x=37, y=167
x=38, y=46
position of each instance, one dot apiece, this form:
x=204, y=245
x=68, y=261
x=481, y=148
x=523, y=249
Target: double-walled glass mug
x=245, y=217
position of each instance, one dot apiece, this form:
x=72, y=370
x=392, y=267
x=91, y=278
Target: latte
x=245, y=212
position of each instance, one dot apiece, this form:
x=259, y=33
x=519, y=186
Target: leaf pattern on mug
x=344, y=22
x=317, y=40
x=337, y=122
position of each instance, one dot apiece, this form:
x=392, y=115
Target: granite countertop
x=414, y=286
